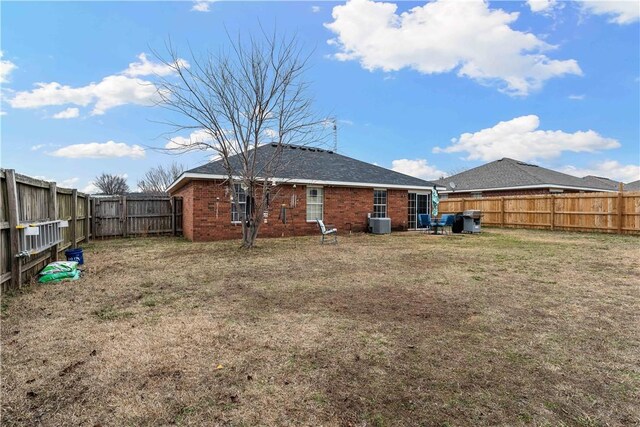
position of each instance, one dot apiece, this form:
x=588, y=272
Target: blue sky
x=424, y=88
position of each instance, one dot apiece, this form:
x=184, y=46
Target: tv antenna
x=335, y=133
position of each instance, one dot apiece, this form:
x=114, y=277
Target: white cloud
x=144, y=67
x=69, y=183
x=90, y=188
x=182, y=143
x=541, y=5
x=37, y=147
x=97, y=150
x=201, y=6
x=609, y=169
x=69, y=113
x=619, y=12
x=577, y=97
x=521, y=139
x=444, y=36
x=315, y=9
x=270, y=133
x=418, y=168
x=6, y=67
x=111, y=91
x=3, y=113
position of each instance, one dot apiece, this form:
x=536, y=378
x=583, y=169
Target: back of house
x=310, y=183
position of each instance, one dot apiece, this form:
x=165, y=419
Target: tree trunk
x=250, y=233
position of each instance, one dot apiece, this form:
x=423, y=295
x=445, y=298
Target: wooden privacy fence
x=136, y=215
x=26, y=200
x=604, y=212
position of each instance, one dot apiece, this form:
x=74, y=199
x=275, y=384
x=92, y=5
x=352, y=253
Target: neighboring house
x=509, y=177
x=632, y=186
x=311, y=183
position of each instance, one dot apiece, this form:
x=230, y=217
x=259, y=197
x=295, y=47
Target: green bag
x=59, y=270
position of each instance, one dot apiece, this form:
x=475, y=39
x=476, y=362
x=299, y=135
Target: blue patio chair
x=424, y=221
x=444, y=221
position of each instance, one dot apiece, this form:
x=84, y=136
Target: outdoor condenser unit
x=380, y=225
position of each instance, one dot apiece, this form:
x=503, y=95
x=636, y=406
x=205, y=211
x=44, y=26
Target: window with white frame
x=315, y=201
x=242, y=201
x=476, y=195
x=379, y=203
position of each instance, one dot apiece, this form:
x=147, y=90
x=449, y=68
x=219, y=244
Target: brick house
x=310, y=183
x=509, y=177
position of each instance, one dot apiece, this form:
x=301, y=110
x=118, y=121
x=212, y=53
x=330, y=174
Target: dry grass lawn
x=505, y=328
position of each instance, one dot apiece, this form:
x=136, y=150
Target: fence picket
x=604, y=212
x=25, y=200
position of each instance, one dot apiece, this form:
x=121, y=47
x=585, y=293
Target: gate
x=137, y=215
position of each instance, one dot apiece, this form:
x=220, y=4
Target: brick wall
x=207, y=211
x=505, y=193
x=186, y=193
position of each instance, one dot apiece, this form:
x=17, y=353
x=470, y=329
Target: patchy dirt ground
x=508, y=327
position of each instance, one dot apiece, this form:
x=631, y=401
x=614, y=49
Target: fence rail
x=25, y=200
x=137, y=215
x=601, y=212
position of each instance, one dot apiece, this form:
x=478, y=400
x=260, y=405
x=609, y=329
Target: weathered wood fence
x=602, y=212
x=25, y=200
x=136, y=215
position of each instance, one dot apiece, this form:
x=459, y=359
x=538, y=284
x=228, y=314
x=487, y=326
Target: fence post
x=87, y=217
x=123, y=215
x=464, y=204
x=94, y=223
x=502, y=212
x=53, y=214
x=553, y=212
x=620, y=207
x=14, y=234
x=173, y=216
x=74, y=217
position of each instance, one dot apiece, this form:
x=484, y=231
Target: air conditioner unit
x=380, y=225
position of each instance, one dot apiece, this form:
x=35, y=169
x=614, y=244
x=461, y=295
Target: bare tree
x=111, y=184
x=455, y=171
x=159, y=178
x=232, y=102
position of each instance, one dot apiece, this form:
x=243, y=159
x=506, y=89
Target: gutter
x=527, y=187
x=205, y=176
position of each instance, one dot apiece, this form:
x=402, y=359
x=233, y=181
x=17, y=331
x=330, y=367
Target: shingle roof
x=599, y=180
x=510, y=173
x=309, y=163
x=633, y=186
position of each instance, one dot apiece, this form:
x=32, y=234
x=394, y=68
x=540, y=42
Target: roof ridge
x=520, y=165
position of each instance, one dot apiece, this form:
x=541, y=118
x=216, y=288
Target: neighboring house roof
x=513, y=174
x=310, y=165
x=633, y=186
x=599, y=180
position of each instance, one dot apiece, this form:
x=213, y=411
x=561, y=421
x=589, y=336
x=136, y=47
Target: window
x=379, y=203
x=242, y=199
x=476, y=195
x=314, y=203
x=444, y=196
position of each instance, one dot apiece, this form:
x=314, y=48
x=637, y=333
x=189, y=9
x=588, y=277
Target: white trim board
x=528, y=187
x=192, y=175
